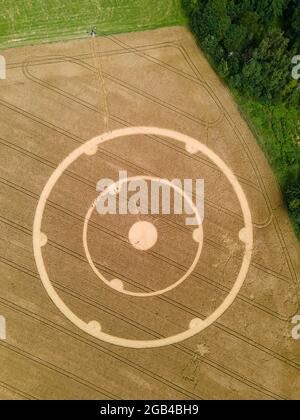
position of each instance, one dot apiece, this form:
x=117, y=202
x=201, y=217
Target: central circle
x=143, y=236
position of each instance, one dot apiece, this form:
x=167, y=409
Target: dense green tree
x=211, y=45
x=275, y=64
x=252, y=74
x=237, y=39
x=293, y=197
x=223, y=68
x=295, y=26
x=192, y=6
x=251, y=20
x=214, y=19
x=270, y=9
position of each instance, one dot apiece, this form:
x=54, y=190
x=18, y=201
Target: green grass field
x=31, y=21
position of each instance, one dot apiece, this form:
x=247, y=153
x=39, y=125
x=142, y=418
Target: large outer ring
x=87, y=148
x=188, y=272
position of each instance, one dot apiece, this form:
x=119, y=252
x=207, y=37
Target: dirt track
x=54, y=99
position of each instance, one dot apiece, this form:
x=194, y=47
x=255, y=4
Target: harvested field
x=55, y=98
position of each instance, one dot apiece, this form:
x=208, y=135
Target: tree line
x=251, y=43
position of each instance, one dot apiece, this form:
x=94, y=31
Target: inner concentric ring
x=116, y=186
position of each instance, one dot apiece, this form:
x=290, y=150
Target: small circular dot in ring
x=197, y=236
x=94, y=327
